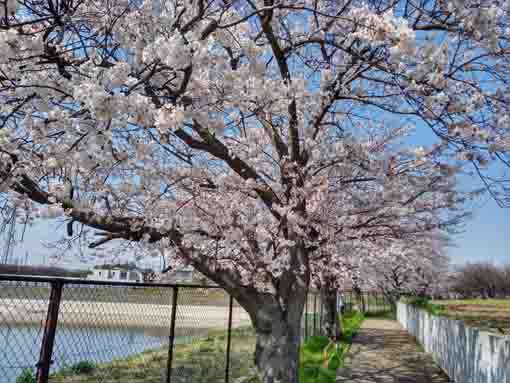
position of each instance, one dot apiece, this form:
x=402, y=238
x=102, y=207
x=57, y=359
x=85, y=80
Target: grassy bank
x=383, y=314
x=492, y=315
x=203, y=360
x=200, y=361
x=318, y=367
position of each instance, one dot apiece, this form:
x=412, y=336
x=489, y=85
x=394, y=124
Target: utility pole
x=8, y=228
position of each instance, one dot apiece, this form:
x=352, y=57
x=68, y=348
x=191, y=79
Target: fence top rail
x=90, y=282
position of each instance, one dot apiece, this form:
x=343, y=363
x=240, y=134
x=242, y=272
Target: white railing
x=466, y=354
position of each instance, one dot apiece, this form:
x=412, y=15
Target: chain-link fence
x=366, y=302
x=67, y=331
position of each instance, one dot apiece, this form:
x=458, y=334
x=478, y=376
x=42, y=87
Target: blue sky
x=486, y=236
x=50, y=231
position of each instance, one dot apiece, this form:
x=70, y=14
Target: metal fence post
x=172, y=335
x=229, y=338
x=50, y=327
x=306, y=317
x=320, y=318
x=314, y=314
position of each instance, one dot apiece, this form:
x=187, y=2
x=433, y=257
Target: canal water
x=20, y=346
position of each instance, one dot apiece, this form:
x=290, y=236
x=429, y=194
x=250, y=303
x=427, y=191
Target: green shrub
x=312, y=359
x=425, y=304
x=383, y=314
x=316, y=344
x=312, y=369
x=84, y=367
x=27, y=376
x=206, y=347
x=351, y=322
x=334, y=362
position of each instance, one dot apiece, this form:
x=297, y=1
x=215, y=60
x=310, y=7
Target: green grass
x=200, y=361
x=383, y=314
x=500, y=303
x=203, y=360
x=312, y=369
x=491, y=315
x=83, y=367
x=27, y=376
x=351, y=322
x=425, y=304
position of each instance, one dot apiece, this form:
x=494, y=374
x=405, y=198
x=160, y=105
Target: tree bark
x=276, y=318
x=393, y=299
x=277, y=350
x=277, y=323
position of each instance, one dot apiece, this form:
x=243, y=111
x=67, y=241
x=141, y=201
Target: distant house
x=115, y=275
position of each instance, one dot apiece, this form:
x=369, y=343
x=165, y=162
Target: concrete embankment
x=114, y=314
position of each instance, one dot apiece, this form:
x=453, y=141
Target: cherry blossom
x=250, y=138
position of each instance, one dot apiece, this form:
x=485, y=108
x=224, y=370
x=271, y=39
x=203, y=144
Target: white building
x=181, y=275
x=115, y=275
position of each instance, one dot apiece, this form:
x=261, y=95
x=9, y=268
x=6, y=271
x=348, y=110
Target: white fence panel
x=466, y=354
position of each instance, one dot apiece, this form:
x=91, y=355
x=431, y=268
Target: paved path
x=382, y=352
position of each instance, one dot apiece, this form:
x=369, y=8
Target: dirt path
x=384, y=353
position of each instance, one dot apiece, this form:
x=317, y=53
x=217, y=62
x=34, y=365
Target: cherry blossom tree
x=361, y=216
x=396, y=265
x=211, y=130
x=416, y=266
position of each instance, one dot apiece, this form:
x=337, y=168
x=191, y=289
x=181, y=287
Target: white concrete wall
x=466, y=354
x=114, y=275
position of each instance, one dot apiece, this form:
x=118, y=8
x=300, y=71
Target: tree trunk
x=393, y=299
x=277, y=323
x=393, y=305
x=331, y=325
x=276, y=316
x=277, y=351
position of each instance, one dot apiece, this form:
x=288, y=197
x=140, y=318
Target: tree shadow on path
x=382, y=352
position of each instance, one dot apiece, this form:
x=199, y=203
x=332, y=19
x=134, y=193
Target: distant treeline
x=43, y=271
x=482, y=280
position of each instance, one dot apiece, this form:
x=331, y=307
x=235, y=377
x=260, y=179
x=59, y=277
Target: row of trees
x=432, y=276
x=481, y=280
x=261, y=141
x=417, y=268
